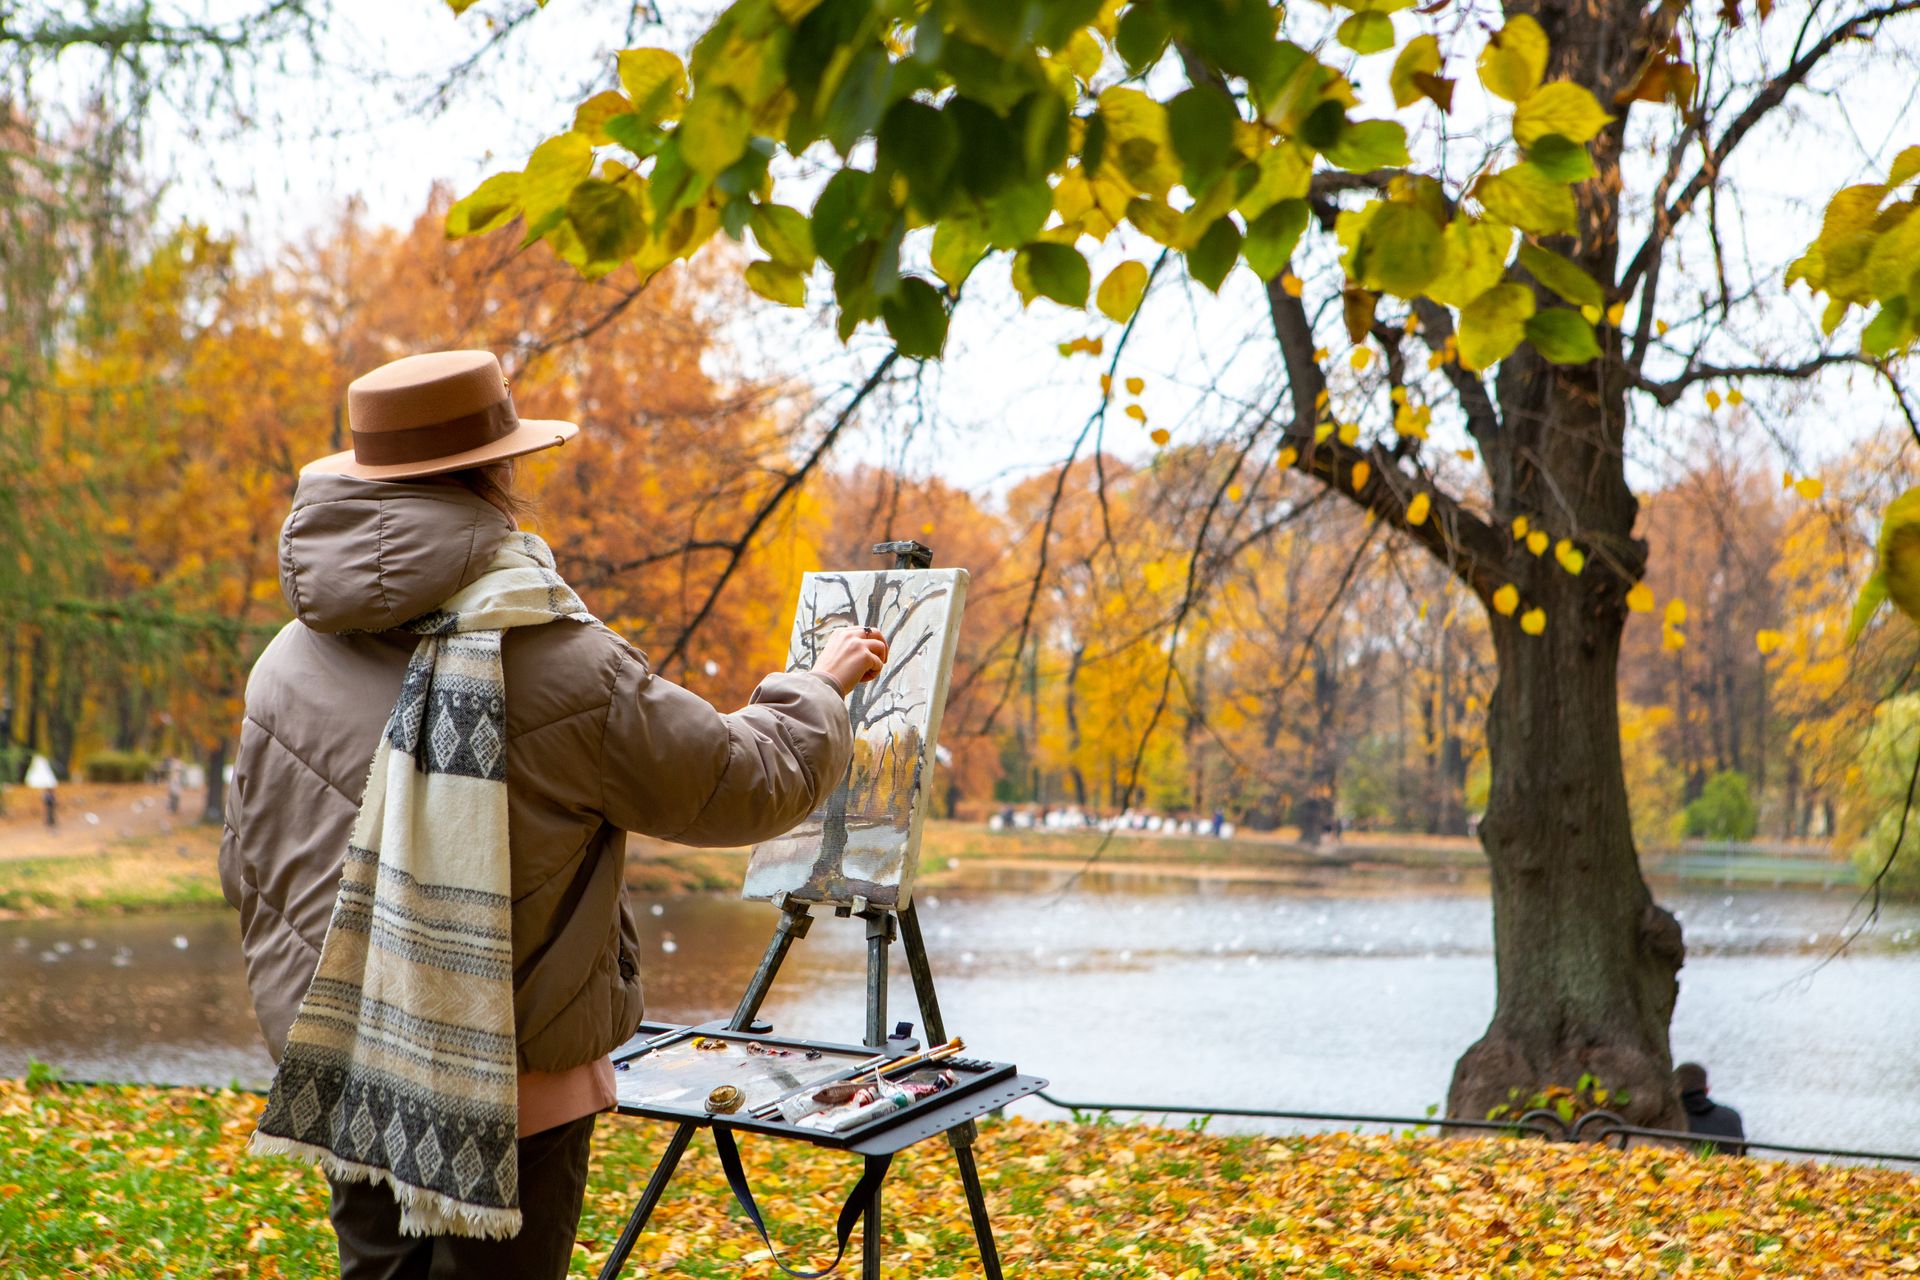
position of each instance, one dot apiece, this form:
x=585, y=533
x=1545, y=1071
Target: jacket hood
x=368, y=555
x=1697, y=1103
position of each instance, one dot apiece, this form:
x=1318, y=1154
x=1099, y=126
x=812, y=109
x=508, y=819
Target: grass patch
x=134, y=1181
x=155, y=873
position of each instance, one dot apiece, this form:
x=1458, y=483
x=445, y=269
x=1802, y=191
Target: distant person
x=1219, y=823
x=1704, y=1115
x=173, y=785
x=52, y=802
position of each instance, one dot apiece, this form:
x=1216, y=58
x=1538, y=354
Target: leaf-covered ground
x=154, y=1182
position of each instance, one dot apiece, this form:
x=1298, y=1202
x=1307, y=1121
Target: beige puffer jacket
x=596, y=746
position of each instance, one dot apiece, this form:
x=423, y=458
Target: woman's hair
x=493, y=482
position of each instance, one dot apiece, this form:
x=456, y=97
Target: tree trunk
x=1586, y=961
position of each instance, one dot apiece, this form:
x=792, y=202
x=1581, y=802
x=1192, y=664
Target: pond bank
x=132, y=1181
x=121, y=867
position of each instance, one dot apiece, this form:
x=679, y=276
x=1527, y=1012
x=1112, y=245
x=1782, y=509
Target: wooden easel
x=883, y=926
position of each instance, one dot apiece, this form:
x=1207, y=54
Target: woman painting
x=439, y=946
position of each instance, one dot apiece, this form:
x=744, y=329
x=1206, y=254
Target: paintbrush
x=878, y=1067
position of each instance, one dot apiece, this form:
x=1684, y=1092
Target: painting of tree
x=864, y=838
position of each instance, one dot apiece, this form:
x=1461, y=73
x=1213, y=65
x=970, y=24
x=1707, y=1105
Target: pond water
x=1126, y=989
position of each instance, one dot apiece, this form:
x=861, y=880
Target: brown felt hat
x=426, y=414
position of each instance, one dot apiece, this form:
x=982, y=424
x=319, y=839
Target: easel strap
x=857, y=1200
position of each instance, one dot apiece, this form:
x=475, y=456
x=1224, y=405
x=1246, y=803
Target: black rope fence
x=1594, y=1126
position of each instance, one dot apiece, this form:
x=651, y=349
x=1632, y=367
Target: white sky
x=1005, y=404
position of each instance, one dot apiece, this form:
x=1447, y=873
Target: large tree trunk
x=1586, y=961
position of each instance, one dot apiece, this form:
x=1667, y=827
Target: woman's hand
x=852, y=656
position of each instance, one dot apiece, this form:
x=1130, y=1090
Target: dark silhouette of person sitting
x=1704, y=1115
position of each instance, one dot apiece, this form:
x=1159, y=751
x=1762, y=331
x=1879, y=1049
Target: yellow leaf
x=1417, y=514
x=1361, y=473
x=1660, y=327
x=1321, y=353
x=1506, y=600
x=1534, y=621
x=1734, y=396
x=1106, y=385
x=1809, y=487
x=1349, y=432
x=1571, y=558
x=1537, y=542
x=1321, y=432
x=1671, y=638
x=1291, y=283
x=1235, y=493
x=1768, y=641
x=1676, y=612
x=1286, y=457
x=1086, y=346
x=1159, y=435
x=1435, y=360
x=1135, y=412
x=1713, y=398
x=1520, y=526
x=1514, y=60
x=1614, y=313
x=1786, y=479
x=1136, y=385
x=1640, y=599
x=1361, y=357
x=1465, y=455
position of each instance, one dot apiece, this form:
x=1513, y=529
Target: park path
x=92, y=816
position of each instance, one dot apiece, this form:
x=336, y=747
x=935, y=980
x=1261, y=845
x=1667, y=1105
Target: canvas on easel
x=863, y=841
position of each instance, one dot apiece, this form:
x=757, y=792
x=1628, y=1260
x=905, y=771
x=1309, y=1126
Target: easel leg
x=656, y=1187
x=870, y=1239
x=961, y=1136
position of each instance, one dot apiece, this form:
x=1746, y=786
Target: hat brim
x=532, y=435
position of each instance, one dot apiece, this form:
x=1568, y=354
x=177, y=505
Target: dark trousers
x=553, y=1183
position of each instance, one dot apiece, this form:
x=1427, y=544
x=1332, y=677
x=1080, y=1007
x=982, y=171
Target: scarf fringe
x=422, y=1212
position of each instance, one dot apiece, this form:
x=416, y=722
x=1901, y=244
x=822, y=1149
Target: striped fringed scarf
x=400, y=1067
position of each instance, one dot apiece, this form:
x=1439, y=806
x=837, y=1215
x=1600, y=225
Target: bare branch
x=1666, y=393
x=1771, y=94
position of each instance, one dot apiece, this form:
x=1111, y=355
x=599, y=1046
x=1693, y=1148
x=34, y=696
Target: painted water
x=1125, y=989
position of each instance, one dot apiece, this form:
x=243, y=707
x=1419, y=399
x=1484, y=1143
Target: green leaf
x=921, y=144
x=784, y=234
x=1399, y=250
x=1529, y=199
x=1562, y=276
x=1420, y=56
x=633, y=133
x=1051, y=271
x=491, y=204
x=916, y=317
x=1370, y=144
x=1143, y=35
x=1476, y=257
x=958, y=245
x=1887, y=330
x=1016, y=213
x=553, y=170
x=713, y=133
x=1283, y=173
x=1200, y=124
x=1562, y=107
x=1905, y=165
x=840, y=215
x=1493, y=324
x=656, y=80
x=1218, y=248
x=1562, y=336
x=1559, y=159
x=1368, y=31
x=1271, y=237
x=777, y=283
x=1120, y=293
x=1137, y=142
x=1514, y=60
x=608, y=220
